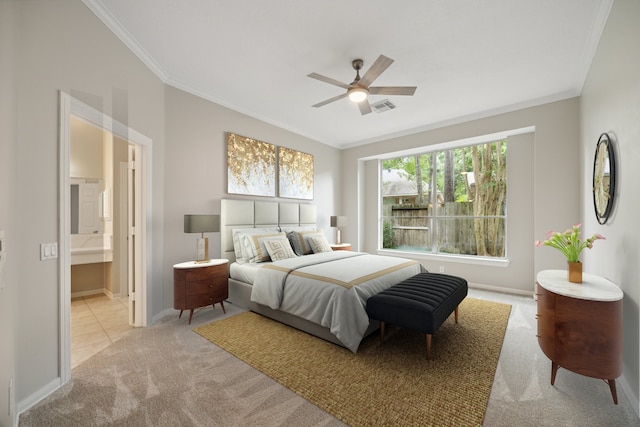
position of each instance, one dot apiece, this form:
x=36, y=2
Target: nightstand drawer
x=204, y=286
x=215, y=272
x=200, y=300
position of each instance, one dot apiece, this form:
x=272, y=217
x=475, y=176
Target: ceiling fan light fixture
x=358, y=94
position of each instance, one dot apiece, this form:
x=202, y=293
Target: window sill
x=462, y=259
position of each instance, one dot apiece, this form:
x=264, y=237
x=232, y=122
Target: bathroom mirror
x=87, y=206
x=604, y=178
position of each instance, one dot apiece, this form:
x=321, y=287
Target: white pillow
x=300, y=240
x=279, y=249
x=319, y=244
x=237, y=234
x=254, y=244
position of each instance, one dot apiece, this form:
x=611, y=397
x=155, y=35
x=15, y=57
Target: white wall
x=8, y=142
x=61, y=45
x=543, y=190
x=196, y=170
x=610, y=103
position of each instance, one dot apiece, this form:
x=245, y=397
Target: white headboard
x=260, y=214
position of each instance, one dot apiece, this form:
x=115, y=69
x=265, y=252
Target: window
x=450, y=201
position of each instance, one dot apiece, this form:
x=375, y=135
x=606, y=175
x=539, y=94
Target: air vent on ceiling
x=382, y=106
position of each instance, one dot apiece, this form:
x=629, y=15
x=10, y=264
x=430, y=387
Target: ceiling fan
x=359, y=90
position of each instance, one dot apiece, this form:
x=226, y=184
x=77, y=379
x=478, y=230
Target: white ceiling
x=468, y=58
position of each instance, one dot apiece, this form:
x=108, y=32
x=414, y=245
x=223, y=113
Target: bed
x=322, y=293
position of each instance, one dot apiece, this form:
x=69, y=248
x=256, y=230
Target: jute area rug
x=391, y=384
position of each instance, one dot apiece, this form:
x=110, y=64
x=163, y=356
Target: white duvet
x=331, y=288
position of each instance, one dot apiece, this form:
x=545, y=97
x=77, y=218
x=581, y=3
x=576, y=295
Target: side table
x=200, y=284
x=341, y=246
x=580, y=325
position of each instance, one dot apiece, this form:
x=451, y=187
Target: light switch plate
x=48, y=251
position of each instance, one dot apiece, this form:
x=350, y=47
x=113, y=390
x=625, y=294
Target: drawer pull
x=539, y=336
x=538, y=316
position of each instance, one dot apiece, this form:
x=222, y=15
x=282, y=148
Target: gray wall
x=8, y=143
x=195, y=178
x=610, y=102
x=62, y=46
x=59, y=45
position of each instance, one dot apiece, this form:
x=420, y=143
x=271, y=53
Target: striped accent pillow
x=254, y=244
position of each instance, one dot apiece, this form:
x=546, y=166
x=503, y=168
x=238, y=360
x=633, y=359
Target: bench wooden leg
x=428, y=346
x=456, y=314
x=381, y=332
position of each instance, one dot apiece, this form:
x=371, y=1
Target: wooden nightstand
x=341, y=246
x=200, y=284
x=580, y=325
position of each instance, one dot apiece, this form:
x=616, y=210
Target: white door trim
x=72, y=106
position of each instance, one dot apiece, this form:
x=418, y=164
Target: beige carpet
x=390, y=384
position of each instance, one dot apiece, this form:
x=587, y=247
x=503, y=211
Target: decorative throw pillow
x=238, y=237
x=300, y=241
x=254, y=244
x=279, y=249
x=319, y=244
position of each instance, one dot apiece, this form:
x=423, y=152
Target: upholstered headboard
x=260, y=214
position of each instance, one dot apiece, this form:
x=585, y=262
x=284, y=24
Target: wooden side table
x=580, y=325
x=341, y=246
x=200, y=284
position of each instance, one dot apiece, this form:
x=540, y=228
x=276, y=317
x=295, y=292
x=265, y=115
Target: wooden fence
x=407, y=226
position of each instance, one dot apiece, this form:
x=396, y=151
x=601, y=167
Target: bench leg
x=428, y=336
x=381, y=332
x=456, y=314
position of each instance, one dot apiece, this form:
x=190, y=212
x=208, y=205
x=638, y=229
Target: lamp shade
x=201, y=223
x=338, y=221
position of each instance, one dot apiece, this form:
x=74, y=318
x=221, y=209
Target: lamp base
x=338, y=236
x=202, y=244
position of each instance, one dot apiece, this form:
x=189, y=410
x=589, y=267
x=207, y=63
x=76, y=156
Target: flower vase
x=575, y=272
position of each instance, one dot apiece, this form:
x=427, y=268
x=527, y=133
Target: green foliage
x=387, y=235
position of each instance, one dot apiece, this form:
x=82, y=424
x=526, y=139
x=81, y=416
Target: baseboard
x=628, y=393
x=509, y=291
x=111, y=295
x=163, y=314
x=87, y=293
x=38, y=395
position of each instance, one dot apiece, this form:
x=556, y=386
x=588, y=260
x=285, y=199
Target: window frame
x=444, y=257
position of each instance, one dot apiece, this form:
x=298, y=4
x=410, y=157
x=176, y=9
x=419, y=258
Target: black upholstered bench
x=422, y=303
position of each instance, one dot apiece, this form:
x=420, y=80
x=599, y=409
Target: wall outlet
x=442, y=269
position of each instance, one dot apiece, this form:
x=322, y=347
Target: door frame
x=72, y=106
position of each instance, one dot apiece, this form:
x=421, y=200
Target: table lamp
x=202, y=224
x=339, y=221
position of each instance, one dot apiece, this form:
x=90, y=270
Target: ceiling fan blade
x=393, y=90
x=328, y=80
x=330, y=100
x=364, y=106
x=377, y=68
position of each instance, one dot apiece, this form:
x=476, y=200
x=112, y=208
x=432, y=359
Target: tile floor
x=97, y=321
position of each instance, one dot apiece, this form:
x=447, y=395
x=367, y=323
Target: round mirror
x=604, y=178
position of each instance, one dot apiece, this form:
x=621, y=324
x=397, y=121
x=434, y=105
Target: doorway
x=112, y=228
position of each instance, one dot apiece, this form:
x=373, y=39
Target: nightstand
x=200, y=284
x=341, y=246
